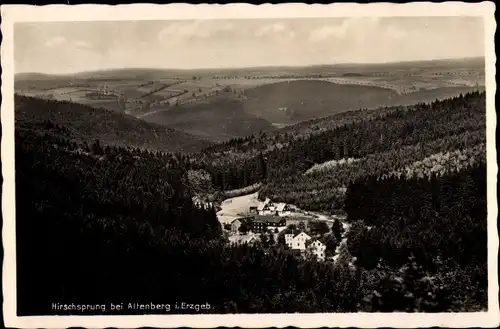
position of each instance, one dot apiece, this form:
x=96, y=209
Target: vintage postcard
x=255, y=166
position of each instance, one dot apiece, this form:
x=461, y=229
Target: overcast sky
x=85, y=46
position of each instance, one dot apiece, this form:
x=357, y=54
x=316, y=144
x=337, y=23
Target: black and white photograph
x=249, y=165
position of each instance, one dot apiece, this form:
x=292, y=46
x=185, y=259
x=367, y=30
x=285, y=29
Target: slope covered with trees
x=97, y=228
x=79, y=213
x=85, y=123
x=378, y=142
x=103, y=223
x=403, y=176
x=439, y=219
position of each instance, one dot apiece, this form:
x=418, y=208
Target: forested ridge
x=107, y=225
x=403, y=176
x=439, y=219
x=377, y=142
x=99, y=223
x=86, y=123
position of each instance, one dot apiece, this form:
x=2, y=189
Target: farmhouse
x=265, y=208
x=316, y=248
x=236, y=224
x=289, y=239
x=273, y=221
x=282, y=209
x=199, y=203
x=258, y=223
x=269, y=208
x=104, y=90
x=264, y=223
x=304, y=244
x=299, y=241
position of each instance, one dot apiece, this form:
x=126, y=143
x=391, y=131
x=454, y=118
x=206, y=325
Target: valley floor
x=237, y=207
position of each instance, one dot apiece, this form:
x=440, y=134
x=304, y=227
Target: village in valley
x=246, y=220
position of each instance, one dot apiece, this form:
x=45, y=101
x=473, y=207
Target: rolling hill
x=266, y=107
x=259, y=98
x=295, y=101
x=218, y=118
x=307, y=164
x=85, y=123
x=154, y=73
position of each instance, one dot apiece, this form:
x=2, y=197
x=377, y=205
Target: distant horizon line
x=251, y=67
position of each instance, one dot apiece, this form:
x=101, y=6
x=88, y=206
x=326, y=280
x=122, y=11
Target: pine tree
x=344, y=257
x=272, y=240
x=264, y=240
x=301, y=226
x=337, y=230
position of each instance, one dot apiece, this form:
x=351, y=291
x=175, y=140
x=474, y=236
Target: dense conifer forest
x=99, y=223
x=312, y=167
x=86, y=123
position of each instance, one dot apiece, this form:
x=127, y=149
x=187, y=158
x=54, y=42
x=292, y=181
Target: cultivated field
x=257, y=99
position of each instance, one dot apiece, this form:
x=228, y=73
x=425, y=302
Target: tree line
x=440, y=220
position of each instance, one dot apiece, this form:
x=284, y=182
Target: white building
x=199, y=203
x=299, y=241
x=265, y=208
x=306, y=245
x=317, y=249
x=269, y=208
x=282, y=209
x=289, y=239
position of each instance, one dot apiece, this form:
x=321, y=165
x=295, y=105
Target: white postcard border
x=23, y=13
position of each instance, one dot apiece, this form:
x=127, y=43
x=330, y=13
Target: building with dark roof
x=258, y=223
x=236, y=224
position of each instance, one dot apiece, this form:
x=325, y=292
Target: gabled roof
x=275, y=220
x=280, y=206
x=243, y=219
x=303, y=233
x=311, y=241
x=262, y=206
